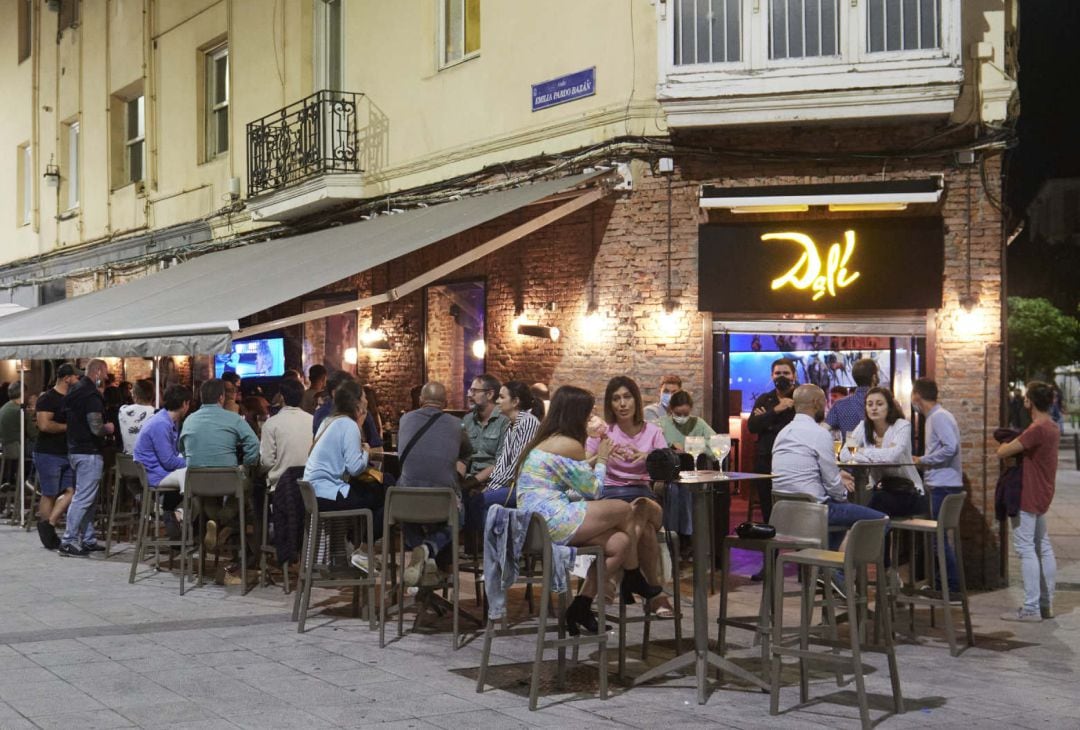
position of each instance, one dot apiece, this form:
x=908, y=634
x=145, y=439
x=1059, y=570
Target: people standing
x=1039, y=446
x=56, y=480
x=942, y=461
x=848, y=412
x=84, y=408
x=669, y=386
x=316, y=387
x=772, y=411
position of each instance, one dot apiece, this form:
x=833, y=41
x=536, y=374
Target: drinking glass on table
x=837, y=445
x=852, y=445
x=720, y=445
x=695, y=446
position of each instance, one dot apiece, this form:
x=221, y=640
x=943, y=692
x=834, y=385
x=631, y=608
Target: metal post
x=157, y=382
x=22, y=447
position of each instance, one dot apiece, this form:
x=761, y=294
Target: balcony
x=306, y=156
x=758, y=61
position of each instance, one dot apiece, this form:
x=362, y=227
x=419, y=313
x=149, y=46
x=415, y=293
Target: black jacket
x=82, y=400
x=767, y=426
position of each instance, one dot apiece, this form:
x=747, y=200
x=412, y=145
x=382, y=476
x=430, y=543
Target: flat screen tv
x=261, y=358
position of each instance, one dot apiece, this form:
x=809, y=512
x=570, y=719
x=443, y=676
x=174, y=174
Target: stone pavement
x=79, y=647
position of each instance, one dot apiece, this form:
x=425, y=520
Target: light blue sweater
x=336, y=453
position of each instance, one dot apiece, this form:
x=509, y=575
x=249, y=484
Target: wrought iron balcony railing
x=318, y=135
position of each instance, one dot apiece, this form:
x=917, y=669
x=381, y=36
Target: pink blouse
x=622, y=471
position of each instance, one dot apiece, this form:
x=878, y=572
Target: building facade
x=155, y=131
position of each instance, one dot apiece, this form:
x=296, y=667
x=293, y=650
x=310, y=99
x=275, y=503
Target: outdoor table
x=861, y=473
x=703, y=485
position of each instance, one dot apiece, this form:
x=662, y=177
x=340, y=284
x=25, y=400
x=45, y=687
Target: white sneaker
x=359, y=560
x=1031, y=617
x=419, y=564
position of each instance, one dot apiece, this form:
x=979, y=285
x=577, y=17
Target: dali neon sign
x=809, y=273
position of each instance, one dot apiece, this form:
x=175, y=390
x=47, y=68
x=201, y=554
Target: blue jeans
x=80, y=514
x=478, y=504
x=937, y=496
x=846, y=514
x=1037, y=564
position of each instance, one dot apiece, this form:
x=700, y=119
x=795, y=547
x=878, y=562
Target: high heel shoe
x=580, y=617
x=634, y=582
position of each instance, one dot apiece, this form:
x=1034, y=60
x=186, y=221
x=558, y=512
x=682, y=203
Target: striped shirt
x=516, y=437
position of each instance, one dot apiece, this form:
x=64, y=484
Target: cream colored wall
x=986, y=21
x=16, y=127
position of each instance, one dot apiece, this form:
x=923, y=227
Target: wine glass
x=695, y=446
x=720, y=445
x=852, y=445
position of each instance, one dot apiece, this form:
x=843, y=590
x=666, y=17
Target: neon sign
x=808, y=273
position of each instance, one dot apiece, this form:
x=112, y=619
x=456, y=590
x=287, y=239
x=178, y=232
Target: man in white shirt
x=286, y=436
x=803, y=461
x=133, y=417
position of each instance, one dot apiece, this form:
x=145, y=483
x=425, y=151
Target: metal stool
x=425, y=506
x=865, y=547
x=214, y=482
x=328, y=530
x=35, y=504
x=948, y=521
x=146, y=534
x=538, y=547
x=799, y=524
x=123, y=476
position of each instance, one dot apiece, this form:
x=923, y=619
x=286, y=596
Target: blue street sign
x=560, y=90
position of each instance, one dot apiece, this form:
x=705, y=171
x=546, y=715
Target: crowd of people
x=580, y=464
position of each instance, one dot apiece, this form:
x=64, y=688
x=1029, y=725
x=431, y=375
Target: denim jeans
x=937, y=496
x=477, y=505
x=1037, y=564
x=846, y=514
x=80, y=514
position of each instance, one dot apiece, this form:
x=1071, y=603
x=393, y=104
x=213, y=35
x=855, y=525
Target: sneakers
x=1022, y=616
x=359, y=560
x=420, y=565
x=93, y=548
x=71, y=551
x=49, y=539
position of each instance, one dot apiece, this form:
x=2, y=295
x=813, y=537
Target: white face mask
x=680, y=419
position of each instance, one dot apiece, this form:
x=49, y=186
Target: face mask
x=782, y=384
x=680, y=419
x=665, y=398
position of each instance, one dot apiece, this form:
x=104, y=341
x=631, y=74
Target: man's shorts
x=55, y=474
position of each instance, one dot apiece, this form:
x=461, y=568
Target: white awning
x=196, y=307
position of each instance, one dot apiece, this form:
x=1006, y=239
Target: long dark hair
x=568, y=416
x=893, y=414
x=347, y=398
x=523, y=393
x=623, y=381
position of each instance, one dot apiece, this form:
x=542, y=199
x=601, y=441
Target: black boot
x=634, y=582
x=580, y=617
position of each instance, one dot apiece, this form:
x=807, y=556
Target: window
x=69, y=14
x=217, y=102
x=803, y=28
x=71, y=192
x=328, y=46
x=134, y=140
x=25, y=200
x=26, y=13
x=903, y=25
x=460, y=30
x=708, y=31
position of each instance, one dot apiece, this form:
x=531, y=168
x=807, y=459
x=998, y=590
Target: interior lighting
x=669, y=319
x=375, y=339
x=539, y=330
x=350, y=355
x=864, y=207
x=479, y=349
x=770, y=209
x=592, y=324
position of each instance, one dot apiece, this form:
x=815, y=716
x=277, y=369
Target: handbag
x=663, y=465
x=755, y=531
x=897, y=485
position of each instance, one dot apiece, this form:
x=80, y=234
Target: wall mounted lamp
x=539, y=330
x=52, y=174
x=375, y=339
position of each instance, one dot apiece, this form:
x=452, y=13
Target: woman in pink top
x=627, y=477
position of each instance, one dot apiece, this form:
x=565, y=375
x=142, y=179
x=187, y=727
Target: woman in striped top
x=517, y=404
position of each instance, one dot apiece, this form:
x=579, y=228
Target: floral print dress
x=553, y=486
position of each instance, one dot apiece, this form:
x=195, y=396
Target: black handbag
x=755, y=531
x=897, y=485
x=663, y=465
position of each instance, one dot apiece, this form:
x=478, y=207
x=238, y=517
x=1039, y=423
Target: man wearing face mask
x=669, y=385
x=848, y=412
x=772, y=411
x=485, y=426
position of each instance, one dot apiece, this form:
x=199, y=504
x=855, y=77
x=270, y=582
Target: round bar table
x=861, y=471
x=702, y=485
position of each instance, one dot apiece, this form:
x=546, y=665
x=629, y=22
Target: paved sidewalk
x=79, y=647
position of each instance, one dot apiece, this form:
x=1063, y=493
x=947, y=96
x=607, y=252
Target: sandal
x=661, y=611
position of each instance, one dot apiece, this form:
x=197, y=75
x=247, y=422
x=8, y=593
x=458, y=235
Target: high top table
x=861, y=472
x=702, y=485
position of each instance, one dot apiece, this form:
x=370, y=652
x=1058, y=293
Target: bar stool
x=799, y=524
x=207, y=483
x=865, y=547
x=328, y=530
x=124, y=475
x=146, y=532
x=424, y=506
x=537, y=547
x=948, y=521
x=35, y=503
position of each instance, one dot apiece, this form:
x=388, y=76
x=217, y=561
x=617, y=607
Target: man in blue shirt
x=848, y=412
x=157, y=450
x=943, y=472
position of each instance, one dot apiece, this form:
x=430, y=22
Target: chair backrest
x=125, y=466
x=865, y=543
x=215, y=481
x=778, y=496
x=421, y=505
x=804, y=520
x=307, y=493
x=537, y=539
x=949, y=514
